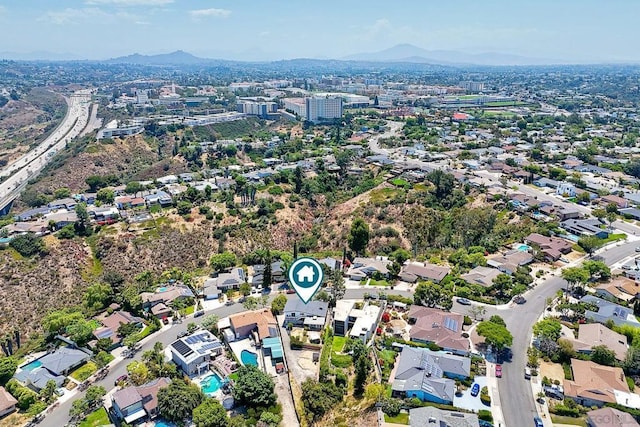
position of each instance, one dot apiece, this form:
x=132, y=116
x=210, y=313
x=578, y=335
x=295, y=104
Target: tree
x=319, y=398
x=575, y=275
x=245, y=289
x=254, y=387
x=589, y=243
x=297, y=180
x=103, y=358
x=82, y=224
x=98, y=296
x=358, y=236
x=28, y=245
x=631, y=362
x=210, y=323
x=222, y=261
x=602, y=355
x=210, y=413
x=251, y=303
x=495, y=335
x=502, y=283
x=105, y=195
x=477, y=311
x=363, y=366
x=547, y=329
x=278, y=303
x=127, y=329
x=178, y=401
x=138, y=372
x=80, y=331
x=429, y=294
x=598, y=270
x=48, y=393
x=375, y=391
x=391, y=406
x=57, y=321
x=184, y=207
x=8, y=366
x=497, y=320
x=269, y=419
x=94, y=396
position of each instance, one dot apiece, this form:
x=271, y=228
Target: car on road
x=463, y=301
x=498, y=371
x=229, y=302
x=121, y=379
x=637, y=248
x=475, y=389
x=538, y=422
x=527, y=373
x=198, y=313
x=182, y=334
x=541, y=400
x=519, y=299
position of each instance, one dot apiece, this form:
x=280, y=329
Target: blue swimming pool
x=211, y=384
x=523, y=248
x=249, y=358
x=32, y=365
x=163, y=423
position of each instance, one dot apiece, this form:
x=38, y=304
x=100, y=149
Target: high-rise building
x=472, y=86
x=321, y=108
x=260, y=109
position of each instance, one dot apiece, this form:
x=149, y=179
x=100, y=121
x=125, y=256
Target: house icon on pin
x=306, y=274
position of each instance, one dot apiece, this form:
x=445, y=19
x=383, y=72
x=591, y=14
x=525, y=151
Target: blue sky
x=580, y=30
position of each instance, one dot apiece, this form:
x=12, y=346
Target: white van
x=527, y=373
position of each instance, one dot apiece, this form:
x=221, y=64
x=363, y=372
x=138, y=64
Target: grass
x=558, y=419
x=95, y=419
x=389, y=356
x=373, y=282
x=399, y=182
x=341, y=360
x=189, y=310
x=401, y=418
x=84, y=371
x=234, y=376
x=338, y=344
x=613, y=238
x=383, y=194
x=568, y=374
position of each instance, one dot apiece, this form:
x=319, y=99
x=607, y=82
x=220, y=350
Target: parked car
x=182, y=334
x=538, y=422
x=198, y=313
x=121, y=379
x=475, y=389
x=498, y=371
x=527, y=373
x=229, y=302
x=519, y=299
x=463, y=301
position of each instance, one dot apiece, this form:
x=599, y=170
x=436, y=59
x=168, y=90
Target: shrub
x=484, y=396
x=485, y=415
x=467, y=321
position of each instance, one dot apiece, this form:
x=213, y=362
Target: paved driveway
x=471, y=403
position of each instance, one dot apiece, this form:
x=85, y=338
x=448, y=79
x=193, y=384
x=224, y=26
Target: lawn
x=84, y=371
x=374, y=282
x=613, y=238
x=341, y=360
x=189, y=310
x=401, y=418
x=399, y=182
x=95, y=419
x=557, y=419
x=338, y=344
x=234, y=376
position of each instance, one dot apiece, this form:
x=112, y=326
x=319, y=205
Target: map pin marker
x=305, y=275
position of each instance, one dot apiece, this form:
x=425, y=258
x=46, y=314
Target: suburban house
x=609, y=199
x=7, y=402
x=159, y=302
x=134, y=403
x=111, y=323
x=278, y=273
x=566, y=189
x=66, y=203
x=431, y=325
x=551, y=247
x=585, y=227
x=312, y=315
x=545, y=182
x=481, y=275
x=361, y=268
x=356, y=319
x=568, y=213
x=61, y=219
x=332, y=263
x=128, y=202
x=430, y=416
x=52, y=366
x=428, y=375
x=594, y=334
x=193, y=352
x=523, y=202
x=412, y=272
x=225, y=281
x=257, y=323
x=161, y=198
x=509, y=262
x=593, y=384
x=610, y=417
x=620, y=288
x=607, y=310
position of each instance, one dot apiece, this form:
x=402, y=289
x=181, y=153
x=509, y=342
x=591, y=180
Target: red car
x=498, y=371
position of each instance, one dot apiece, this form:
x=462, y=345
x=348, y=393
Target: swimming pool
x=32, y=365
x=211, y=384
x=163, y=423
x=523, y=248
x=249, y=358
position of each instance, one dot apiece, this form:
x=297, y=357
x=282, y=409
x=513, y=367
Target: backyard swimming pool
x=523, y=248
x=32, y=365
x=163, y=423
x=249, y=358
x=211, y=384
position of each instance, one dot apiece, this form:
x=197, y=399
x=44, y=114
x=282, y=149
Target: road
x=31, y=163
x=60, y=416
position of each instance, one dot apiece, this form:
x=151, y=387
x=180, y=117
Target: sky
x=571, y=30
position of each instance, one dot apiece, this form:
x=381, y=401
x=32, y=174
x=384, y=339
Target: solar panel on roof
x=451, y=324
x=182, y=348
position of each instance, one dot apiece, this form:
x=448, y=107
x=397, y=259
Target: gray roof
x=609, y=311
x=429, y=416
x=313, y=308
x=62, y=359
x=38, y=378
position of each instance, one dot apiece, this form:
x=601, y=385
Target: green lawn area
x=557, y=419
x=234, y=376
x=401, y=418
x=338, y=344
x=389, y=356
x=189, y=310
x=399, y=182
x=613, y=238
x=94, y=323
x=373, y=282
x=84, y=371
x=95, y=419
x=341, y=360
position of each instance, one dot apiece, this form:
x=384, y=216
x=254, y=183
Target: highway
x=31, y=163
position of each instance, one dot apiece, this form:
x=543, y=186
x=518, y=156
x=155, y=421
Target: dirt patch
x=553, y=371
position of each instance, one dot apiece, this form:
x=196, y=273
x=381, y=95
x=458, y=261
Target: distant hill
x=179, y=57
x=415, y=54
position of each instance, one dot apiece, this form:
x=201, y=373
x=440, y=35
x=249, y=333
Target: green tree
x=297, y=180
x=431, y=295
x=269, y=419
x=598, y=270
x=48, y=393
x=210, y=413
x=278, y=303
x=575, y=276
x=98, y=296
x=8, y=366
x=106, y=195
x=502, y=283
x=28, y=245
x=210, y=323
x=602, y=355
x=254, y=387
x=589, y=243
x=177, y=401
x=57, y=321
x=184, y=207
x=358, y=236
x=548, y=328
x=103, y=358
x=495, y=334
x=245, y=289
x=127, y=329
x=94, y=396
x=251, y=303
x=631, y=362
x=319, y=398
x=82, y=224
x=80, y=331
x=138, y=372
x=220, y=262
x=498, y=320
x=62, y=192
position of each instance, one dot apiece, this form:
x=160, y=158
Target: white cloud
x=210, y=13
x=70, y=15
x=129, y=2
